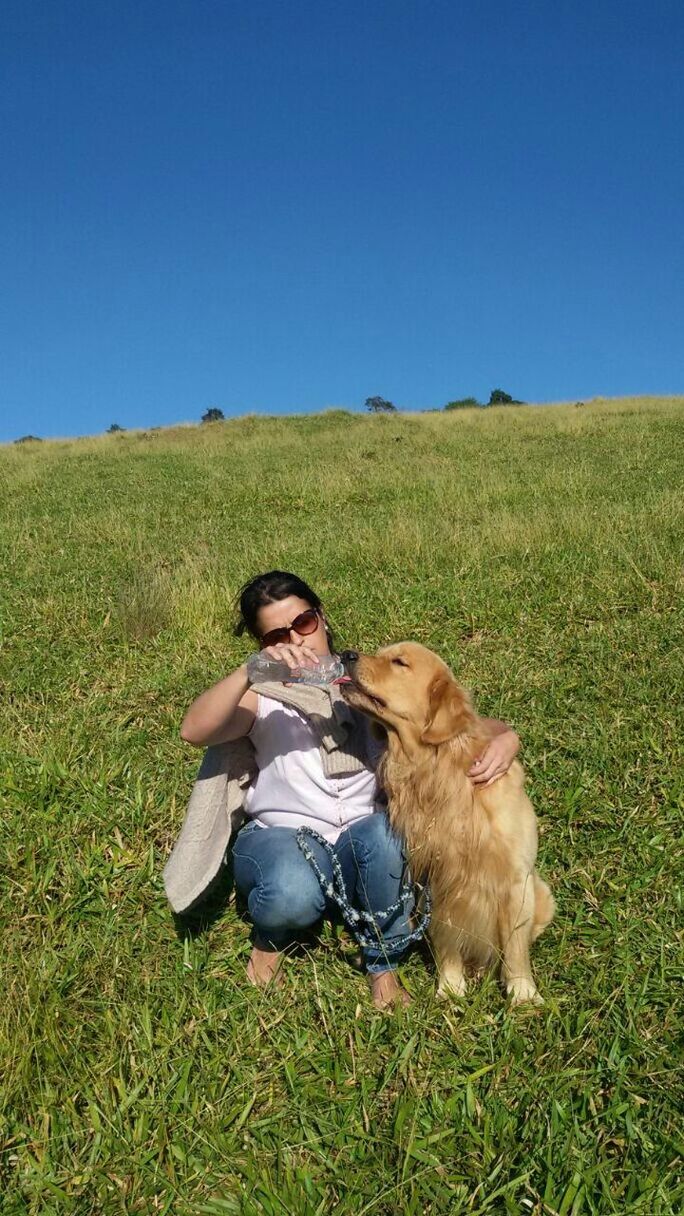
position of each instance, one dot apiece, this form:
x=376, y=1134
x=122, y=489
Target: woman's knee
x=287, y=897
x=373, y=836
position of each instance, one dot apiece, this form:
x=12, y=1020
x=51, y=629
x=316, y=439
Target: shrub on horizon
x=499, y=397
x=378, y=405
x=213, y=415
x=111, y=430
x=29, y=439
x=465, y=403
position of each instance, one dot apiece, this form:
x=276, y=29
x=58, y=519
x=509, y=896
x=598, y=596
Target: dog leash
x=336, y=892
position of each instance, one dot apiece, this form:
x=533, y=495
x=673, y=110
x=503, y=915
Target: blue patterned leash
x=336, y=891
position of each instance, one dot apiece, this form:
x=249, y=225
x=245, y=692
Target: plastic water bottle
x=262, y=668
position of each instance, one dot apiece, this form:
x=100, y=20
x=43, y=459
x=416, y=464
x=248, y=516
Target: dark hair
x=268, y=589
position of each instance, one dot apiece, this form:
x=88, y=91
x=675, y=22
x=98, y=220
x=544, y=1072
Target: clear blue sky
x=286, y=205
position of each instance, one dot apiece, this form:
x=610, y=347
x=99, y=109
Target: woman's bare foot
x=264, y=966
x=386, y=990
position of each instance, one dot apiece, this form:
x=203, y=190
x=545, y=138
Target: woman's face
x=282, y=614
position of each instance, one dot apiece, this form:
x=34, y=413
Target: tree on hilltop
x=213, y=415
x=378, y=405
x=499, y=397
x=111, y=430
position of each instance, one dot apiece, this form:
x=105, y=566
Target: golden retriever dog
x=475, y=846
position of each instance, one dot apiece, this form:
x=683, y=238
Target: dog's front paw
x=450, y=987
x=524, y=992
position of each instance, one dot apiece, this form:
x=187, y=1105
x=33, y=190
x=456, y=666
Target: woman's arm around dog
x=499, y=754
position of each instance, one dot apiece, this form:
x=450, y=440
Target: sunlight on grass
x=539, y=551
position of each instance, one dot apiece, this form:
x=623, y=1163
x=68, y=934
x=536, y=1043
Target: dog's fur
x=475, y=846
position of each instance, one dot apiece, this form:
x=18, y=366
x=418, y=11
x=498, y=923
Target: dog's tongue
x=343, y=680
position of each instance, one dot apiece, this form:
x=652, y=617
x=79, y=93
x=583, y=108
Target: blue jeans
x=284, y=896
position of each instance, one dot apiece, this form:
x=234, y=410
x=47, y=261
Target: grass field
x=540, y=552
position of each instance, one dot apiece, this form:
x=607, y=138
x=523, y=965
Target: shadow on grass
x=210, y=907
x=213, y=904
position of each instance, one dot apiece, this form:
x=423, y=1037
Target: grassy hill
x=540, y=552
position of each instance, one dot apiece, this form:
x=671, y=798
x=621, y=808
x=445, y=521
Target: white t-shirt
x=291, y=789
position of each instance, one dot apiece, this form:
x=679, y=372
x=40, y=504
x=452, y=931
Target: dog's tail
x=544, y=907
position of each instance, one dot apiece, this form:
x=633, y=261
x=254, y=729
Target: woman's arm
x=222, y=713
x=227, y=711
x=498, y=755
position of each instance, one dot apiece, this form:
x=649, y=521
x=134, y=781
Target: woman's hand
x=294, y=656
x=497, y=757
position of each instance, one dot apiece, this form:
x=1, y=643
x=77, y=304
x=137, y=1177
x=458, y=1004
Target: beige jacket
x=227, y=770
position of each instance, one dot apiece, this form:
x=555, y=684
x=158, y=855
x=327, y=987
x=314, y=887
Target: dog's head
x=411, y=691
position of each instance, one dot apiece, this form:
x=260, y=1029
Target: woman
x=282, y=893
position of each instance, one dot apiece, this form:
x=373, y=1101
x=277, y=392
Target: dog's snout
x=349, y=657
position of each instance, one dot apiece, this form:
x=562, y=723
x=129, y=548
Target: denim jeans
x=284, y=896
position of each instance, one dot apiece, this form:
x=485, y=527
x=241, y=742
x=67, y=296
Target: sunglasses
x=304, y=624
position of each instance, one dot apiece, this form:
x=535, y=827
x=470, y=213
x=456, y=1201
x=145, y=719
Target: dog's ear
x=449, y=713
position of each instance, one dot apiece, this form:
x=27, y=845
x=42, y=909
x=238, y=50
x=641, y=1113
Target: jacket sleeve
x=214, y=812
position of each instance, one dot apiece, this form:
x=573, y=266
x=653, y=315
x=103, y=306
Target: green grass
x=539, y=551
